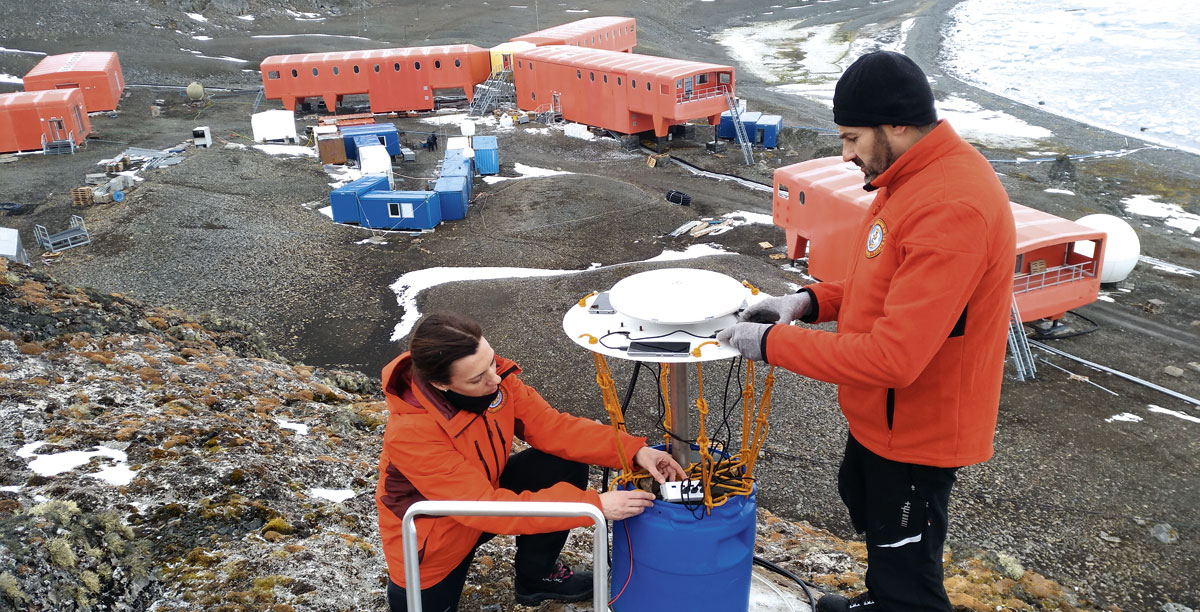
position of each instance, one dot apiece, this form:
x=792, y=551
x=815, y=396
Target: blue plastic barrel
x=683, y=560
x=118, y=196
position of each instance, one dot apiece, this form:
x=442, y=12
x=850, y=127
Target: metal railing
x=1018, y=345
x=412, y=570
x=1023, y=283
x=699, y=93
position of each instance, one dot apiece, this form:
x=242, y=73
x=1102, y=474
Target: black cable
x=804, y=584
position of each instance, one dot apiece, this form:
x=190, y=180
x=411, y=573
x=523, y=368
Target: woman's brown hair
x=440, y=339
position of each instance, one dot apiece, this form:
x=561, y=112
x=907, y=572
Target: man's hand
x=746, y=338
x=620, y=505
x=661, y=465
x=782, y=309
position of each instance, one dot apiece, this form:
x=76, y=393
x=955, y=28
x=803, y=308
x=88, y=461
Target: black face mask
x=472, y=404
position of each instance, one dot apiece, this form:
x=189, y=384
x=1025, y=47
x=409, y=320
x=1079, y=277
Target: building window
x=592, y=76
x=520, y=64
x=294, y=73
x=356, y=69
x=579, y=74
x=647, y=85
x=678, y=83
x=782, y=190
x=618, y=81
x=314, y=72
x=633, y=83
x=335, y=71
x=416, y=65
x=723, y=78
x=376, y=67
x=533, y=95
x=458, y=63
x=396, y=66
x=400, y=210
x=701, y=79
x=437, y=64
x=606, y=79
x=273, y=75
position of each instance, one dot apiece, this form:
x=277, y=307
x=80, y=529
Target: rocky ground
x=201, y=471
x=233, y=233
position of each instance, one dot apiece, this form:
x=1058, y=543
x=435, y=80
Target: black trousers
x=528, y=470
x=902, y=507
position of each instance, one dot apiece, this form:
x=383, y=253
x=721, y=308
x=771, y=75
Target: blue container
x=384, y=133
x=456, y=157
x=769, y=127
x=750, y=121
x=461, y=167
x=487, y=155
x=454, y=193
x=680, y=562
x=401, y=210
x=725, y=128
x=345, y=199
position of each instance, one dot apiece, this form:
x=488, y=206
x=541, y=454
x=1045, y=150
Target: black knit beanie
x=883, y=88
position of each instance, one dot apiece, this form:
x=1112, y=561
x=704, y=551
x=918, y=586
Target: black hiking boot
x=863, y=602
x=562, y=584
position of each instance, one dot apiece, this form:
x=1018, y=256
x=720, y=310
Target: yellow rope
x=747, y=410
x=612, y=405
x=706, y=460
x=664, y=388
x=760, y=432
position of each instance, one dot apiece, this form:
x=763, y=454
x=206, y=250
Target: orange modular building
x=622, y=92
x=392, y=79
x=612, y=33
x=31, y=119
x=821, y=203
x=95, y=73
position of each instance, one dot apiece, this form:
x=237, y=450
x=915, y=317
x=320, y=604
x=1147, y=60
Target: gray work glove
x=747, y=338
x=782, y=309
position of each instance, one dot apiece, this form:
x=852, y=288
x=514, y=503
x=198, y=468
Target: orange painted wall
x=611, y=33
x=25, y=117
x=393, y=79
x=97, y=74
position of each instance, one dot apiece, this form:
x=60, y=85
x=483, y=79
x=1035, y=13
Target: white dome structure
x=1121, y=250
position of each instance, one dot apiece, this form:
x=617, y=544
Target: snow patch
x=1174, y=413
x=410, y=285
x=1062, y=191
x=319, y=35
x=7, y=50
x=524, y=172
x=336, y=496
x=9, y=78
x=246, y=17
x=223, y=58
x=57, y=463
x=1124, y=416
x=299, y=428
x=992, y=128
x=1171, y=214
x=201, y=37
x=197, y=17
x=292, y=150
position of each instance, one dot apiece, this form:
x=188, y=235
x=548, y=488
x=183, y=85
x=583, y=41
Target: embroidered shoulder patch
x=876, y=237
x=498, y=402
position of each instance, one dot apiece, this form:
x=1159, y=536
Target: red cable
x=630, y=546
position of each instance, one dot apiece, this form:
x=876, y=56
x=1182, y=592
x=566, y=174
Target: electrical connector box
x=684, y=491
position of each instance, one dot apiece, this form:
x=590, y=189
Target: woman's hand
x=620, y=505
x=661, y=465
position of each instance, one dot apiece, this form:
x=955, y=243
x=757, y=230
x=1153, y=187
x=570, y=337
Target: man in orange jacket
x=455, y=407
x=918, y=354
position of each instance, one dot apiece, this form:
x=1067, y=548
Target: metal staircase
x=739, y=127
x=261, y=94
x=549, y=113
x=60, y=146
x=1018, y=345
x=495, y=91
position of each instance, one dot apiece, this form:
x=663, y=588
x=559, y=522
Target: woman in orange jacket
x=455, y=407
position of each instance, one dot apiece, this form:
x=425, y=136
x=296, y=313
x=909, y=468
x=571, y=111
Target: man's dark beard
x=882, y=155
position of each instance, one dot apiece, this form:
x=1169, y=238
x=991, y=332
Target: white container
x=202, y=136
x=275, y=126
x=374, y=160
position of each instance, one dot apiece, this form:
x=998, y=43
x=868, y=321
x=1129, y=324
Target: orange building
x=623, y=92
x=821, y=203
x=612, y=33
x=392, y=79
x=31, y=119
x=95, y=73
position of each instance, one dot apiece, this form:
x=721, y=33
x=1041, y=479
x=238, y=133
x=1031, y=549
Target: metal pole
x=677, y=393
x=408, y=533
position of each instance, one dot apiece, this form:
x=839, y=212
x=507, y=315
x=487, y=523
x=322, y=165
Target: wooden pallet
x=83, y=196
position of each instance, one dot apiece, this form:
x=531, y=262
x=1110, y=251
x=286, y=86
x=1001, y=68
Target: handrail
x=1061, y=275
x=408, y=532
x=699, y=93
